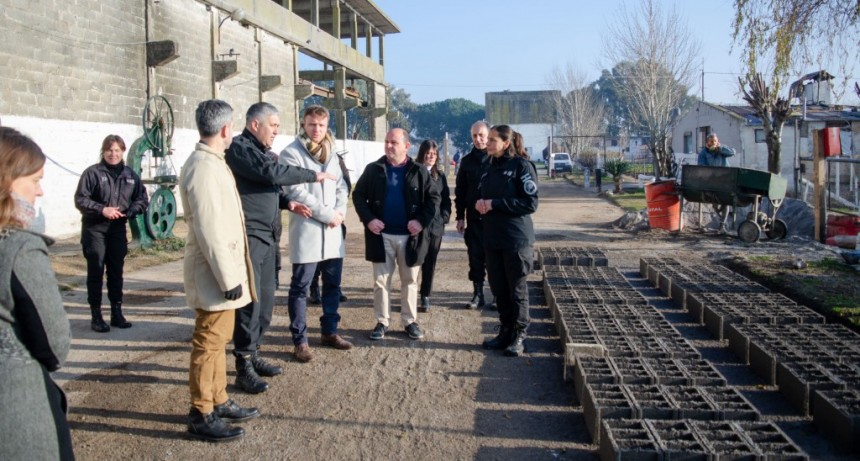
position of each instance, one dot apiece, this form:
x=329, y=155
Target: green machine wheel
x=149, y=157
x=161, y=214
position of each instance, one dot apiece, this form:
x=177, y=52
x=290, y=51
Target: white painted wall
x=74, y=146
x=535, y=137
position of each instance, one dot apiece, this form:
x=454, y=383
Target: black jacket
x=443, y=213
x=511, y=183
x=466, y=186
x=421, y=202
x=97, y=189
x=258, y=180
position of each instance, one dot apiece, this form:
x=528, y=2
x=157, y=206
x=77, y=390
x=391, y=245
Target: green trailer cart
x=738, y=187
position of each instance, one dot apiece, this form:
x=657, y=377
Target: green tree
x=400, y=105
x=452, y=116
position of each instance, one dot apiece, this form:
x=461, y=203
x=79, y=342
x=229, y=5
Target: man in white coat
x=217, y=273
x=318, y=239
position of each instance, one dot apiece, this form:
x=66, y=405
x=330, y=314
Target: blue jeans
x=330, y=272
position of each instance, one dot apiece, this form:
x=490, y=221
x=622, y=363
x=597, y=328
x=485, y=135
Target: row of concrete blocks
x=591, y=274
x=786, y=343
x=644, y=371
x=658, y=440
x=572, y=256
x=637, y=401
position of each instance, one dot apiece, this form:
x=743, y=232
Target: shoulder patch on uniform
x=529, y=186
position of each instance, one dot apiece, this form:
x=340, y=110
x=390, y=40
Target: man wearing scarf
x=316, y=240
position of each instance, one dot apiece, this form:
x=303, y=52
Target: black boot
x=211, y=428
x=116, y=317
x=98, y=323
x=477, y=300
x=314, y=295
x=425, y=304
x=501, y=341
x=264, y=368
x=518, y=345
x=232, y=413
x=247, y=378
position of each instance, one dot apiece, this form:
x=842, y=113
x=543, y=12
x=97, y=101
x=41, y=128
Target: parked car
x=559, y=162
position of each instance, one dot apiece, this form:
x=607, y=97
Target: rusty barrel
x=664, y=205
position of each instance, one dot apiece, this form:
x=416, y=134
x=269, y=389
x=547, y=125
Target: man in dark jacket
x=469, y=221
x=259, y=177
x=396, y=203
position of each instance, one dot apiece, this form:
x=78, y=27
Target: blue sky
x=465, y=48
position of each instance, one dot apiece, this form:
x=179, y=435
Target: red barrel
x=664, y=205
x=832, y=143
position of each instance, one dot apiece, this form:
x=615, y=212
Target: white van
x=559, y=162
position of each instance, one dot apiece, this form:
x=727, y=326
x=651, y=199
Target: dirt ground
x=443, y=397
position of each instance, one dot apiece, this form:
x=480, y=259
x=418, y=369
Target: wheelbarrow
x=738, y=187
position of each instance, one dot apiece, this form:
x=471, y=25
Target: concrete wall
x=73, y=72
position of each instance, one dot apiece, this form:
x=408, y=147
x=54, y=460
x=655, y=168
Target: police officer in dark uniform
x=508, y=195
x=258, y=179
x=109, y=194
x=469, y=222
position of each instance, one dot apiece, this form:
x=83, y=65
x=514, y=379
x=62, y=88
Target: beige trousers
x=207, y=377
x=395, y=254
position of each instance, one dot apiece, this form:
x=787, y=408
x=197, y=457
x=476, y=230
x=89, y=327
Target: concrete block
x=771, y=441
x=592, y=370
x=837, y=415
x=651, y=402
x=731, y=404
x=627, y=440
x=691, y=403
x=678, y=440
x=724, y=440
x=798, y=380
x=602, y=402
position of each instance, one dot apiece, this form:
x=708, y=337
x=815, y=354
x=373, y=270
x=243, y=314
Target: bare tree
x=662, y=51
x=773, y=111
x=579, y=108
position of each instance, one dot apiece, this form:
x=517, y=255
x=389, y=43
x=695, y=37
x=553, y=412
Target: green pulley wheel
x=161, y=214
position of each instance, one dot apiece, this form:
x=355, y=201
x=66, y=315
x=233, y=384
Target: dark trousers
x=330, y=272
x=429, y=266
x=507, y=271
x=105, y=246
x=474, y=238
x=253, y=320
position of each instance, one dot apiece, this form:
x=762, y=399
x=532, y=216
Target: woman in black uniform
x=109, y=194
x=508, y=194
x=428, y=155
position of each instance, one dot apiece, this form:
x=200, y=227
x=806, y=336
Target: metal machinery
x=149, y=157
x=738, y=187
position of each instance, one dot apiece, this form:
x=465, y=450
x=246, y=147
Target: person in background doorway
x=109, y=194
x=469, y=222
x=217, y=273
x=428, y=155
x=396, y=202
x=34, y=331
x=714, y=154
x=508, y=195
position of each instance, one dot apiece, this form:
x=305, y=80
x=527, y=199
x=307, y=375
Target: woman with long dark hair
x=108, y=195
x=508, y=194
x=34, y=330
x=428, y=155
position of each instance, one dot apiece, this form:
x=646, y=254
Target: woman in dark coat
x=508, y=194
x=428, y=155
x=34, y=330
x=109, y=194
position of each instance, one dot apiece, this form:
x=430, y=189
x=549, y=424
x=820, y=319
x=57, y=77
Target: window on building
x=688, y=142
x=804, y=130
x=759, y=135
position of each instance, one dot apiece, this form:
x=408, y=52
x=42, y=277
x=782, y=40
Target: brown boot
x=336, y=342
x=303, y=353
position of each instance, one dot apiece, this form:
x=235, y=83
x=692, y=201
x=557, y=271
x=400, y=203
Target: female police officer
x=508, y=196
x=109, y=194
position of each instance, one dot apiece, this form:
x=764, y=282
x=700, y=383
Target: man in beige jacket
x=217, y=272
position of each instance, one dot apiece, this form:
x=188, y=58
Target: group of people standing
x=233, y=190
